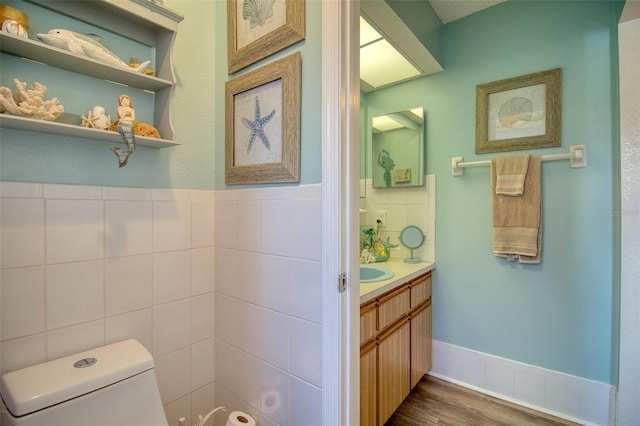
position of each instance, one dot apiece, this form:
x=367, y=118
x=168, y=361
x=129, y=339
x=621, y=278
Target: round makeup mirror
x=412, y=238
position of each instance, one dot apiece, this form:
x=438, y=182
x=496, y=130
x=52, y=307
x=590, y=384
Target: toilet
x=113, y=385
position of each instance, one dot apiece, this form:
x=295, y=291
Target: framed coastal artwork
x=519, y=113
x=262, y=124
x=257, y=29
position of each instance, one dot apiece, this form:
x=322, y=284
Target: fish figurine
x=86, y=45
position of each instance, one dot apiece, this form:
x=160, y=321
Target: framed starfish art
x=262, y=124
x=257, y=29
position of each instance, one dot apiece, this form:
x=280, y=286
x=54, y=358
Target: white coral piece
x=29, y=103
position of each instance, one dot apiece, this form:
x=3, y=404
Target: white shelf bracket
x=455, y=170
x=578, y=156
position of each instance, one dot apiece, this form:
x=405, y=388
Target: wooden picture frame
x=262, y=124
x=519, y=113
x=254, y=34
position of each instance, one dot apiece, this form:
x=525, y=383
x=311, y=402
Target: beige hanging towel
x=517, y=209
x=511, y=171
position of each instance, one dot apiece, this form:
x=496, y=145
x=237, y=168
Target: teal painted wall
x=198, y=114
x=35, y=157
x=560, y=314
x=310, y=121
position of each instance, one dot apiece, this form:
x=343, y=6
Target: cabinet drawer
x=393, y=306
x=420, y=290
x=367, y=322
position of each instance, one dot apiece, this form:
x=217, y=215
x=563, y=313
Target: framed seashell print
x=519, y=113
x=257, y=29
x=262, y=124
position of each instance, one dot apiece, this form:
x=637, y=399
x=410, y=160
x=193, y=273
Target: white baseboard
x=570, y=397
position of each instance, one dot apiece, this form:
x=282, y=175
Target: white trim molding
x=340, y=169
x=570, y=397
x=629, y=63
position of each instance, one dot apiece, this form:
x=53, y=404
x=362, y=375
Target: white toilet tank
x=114, y=385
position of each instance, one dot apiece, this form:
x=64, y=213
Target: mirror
x=412, y=238
x=364, y=152
x=398, y=149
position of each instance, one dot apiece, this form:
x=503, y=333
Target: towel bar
x=577, y=157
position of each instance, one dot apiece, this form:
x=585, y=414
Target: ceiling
x=450, y=10
x=390, y=53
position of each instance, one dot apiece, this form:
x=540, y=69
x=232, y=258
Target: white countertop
x=403, y=273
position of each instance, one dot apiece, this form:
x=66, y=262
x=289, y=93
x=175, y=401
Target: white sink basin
x=371, y=273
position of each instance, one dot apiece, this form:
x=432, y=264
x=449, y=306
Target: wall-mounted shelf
x=63, y=59
x=42, y=126
x=139, y=20
x=577, y=157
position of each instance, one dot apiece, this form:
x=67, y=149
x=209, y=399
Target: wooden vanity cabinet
x=420, y=343
x=394, y=364
x=368, y=384
x=395, y=347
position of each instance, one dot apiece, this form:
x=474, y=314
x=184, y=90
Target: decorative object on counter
x=519, y=113
x=86, y=45
x=126, y=115
x=373, y=248
x=13, y=27
x=412, y=238
x=387, y=163
x=257, y=29
x=134, y=63
x=29, y=103
x=8, y=13
x=382, y=249
x=366, y=256
x=96, y=119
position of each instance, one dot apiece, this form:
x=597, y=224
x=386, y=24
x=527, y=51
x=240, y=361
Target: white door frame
x=628, y=411
x=340, y=207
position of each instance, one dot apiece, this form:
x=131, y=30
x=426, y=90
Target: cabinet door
x=368, y=385
x=420, y=344
x=393, y=369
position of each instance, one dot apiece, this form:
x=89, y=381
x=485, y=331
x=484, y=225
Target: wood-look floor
x=437, y=402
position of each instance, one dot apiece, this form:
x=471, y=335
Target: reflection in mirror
x=398, y=149
x=363, y=153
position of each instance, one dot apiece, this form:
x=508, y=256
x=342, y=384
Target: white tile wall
x=580, y=400
x=268, y=304
x=404, y=206
x=83, y=266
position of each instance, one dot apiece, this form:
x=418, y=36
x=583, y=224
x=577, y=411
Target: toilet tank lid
x=43, y=385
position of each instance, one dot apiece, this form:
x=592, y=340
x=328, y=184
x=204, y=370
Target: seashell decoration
x=257, y=11
x=96, y=119
x=13, y=27
x=29, y=103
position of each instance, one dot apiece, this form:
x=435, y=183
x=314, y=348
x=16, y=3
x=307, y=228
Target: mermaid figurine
x=126, y=115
